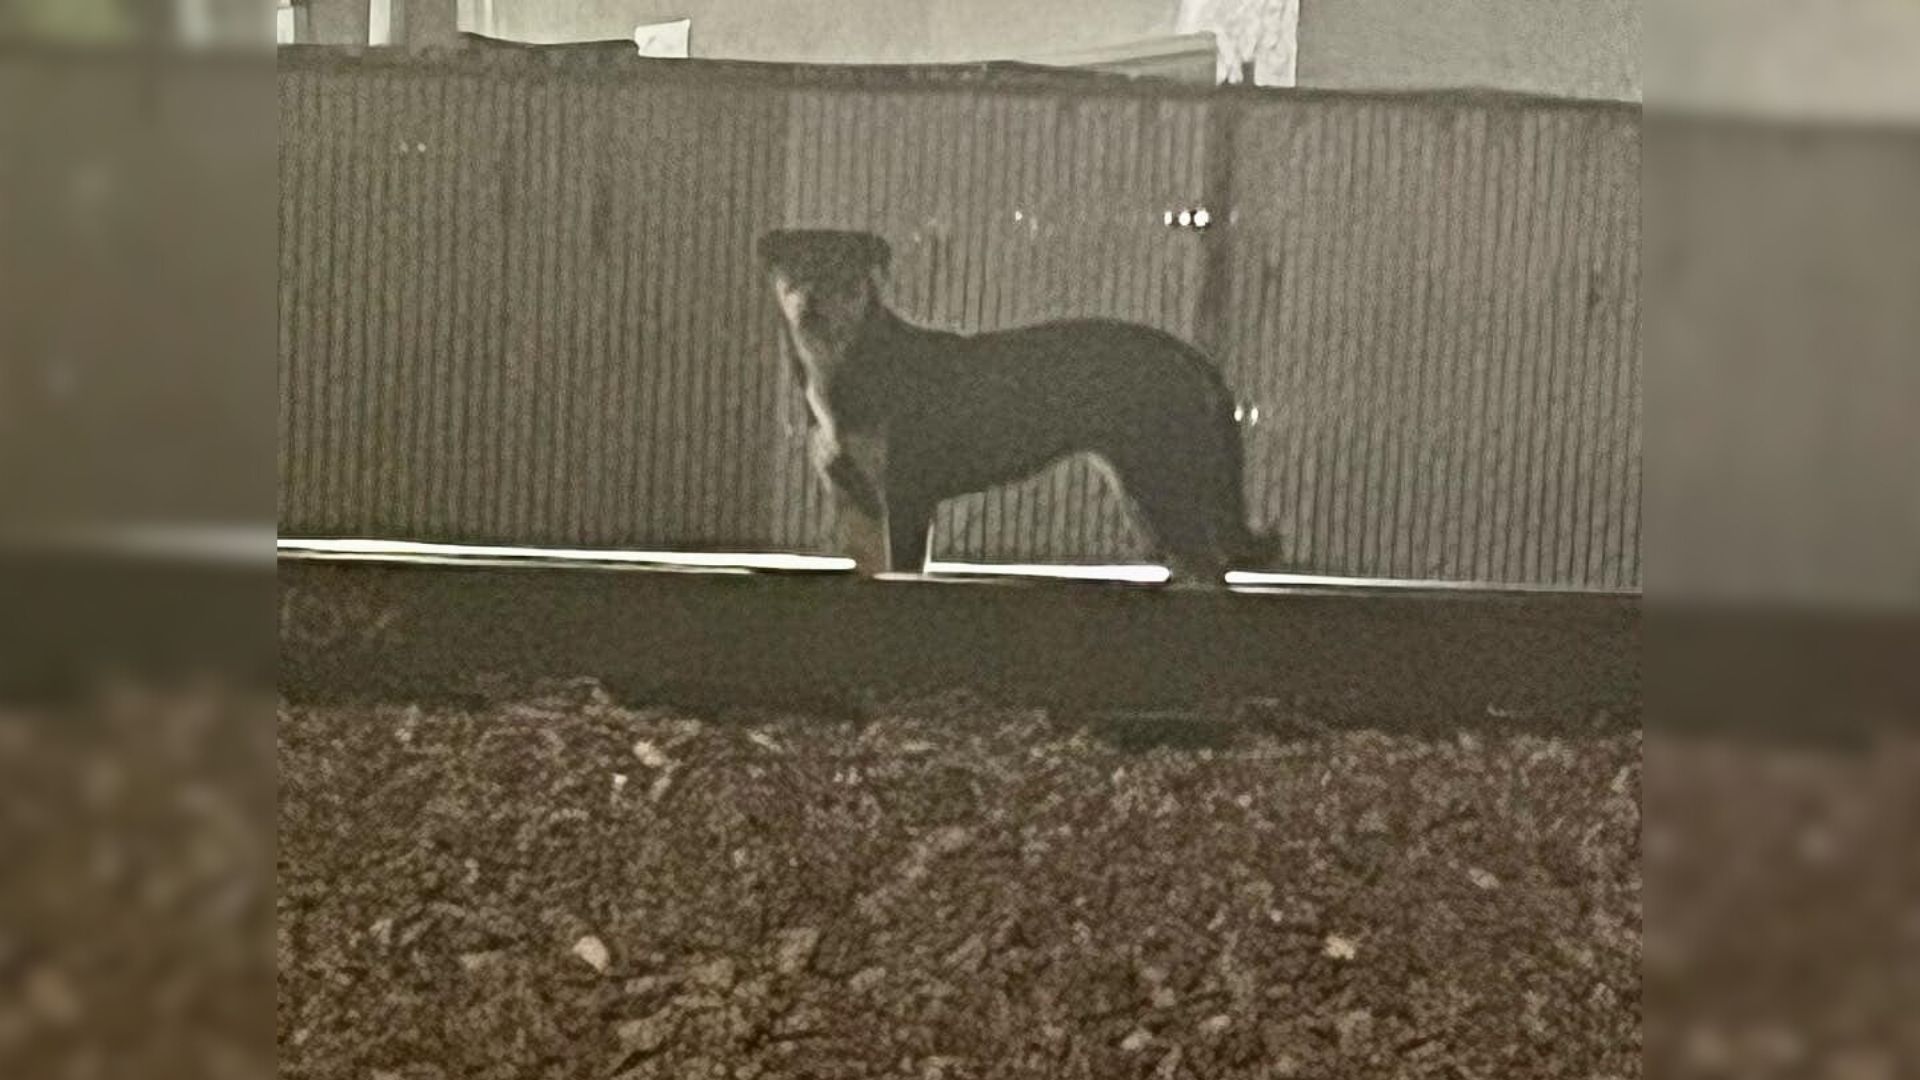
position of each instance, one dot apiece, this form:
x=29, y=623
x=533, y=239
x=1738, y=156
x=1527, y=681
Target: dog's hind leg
x=1173, y=500
x=1246, y=549
x=909, y=527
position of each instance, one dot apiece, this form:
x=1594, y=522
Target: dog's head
x=824, y=279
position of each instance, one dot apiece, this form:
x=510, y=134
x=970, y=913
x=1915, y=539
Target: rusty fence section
x=519, y=302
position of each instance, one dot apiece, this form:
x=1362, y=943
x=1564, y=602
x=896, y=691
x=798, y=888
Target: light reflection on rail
x=748, y=562
x=234, y=544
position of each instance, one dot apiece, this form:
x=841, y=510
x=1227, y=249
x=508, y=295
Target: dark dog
x=904, y=417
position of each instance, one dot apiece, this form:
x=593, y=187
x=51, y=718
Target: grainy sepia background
x=1631, y=795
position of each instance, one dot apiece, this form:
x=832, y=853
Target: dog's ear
x=774, y=248
x=876, y=253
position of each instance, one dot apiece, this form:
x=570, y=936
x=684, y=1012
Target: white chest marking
x=815, y=389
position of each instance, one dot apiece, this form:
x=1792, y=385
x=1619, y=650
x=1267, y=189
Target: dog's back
x=1020, y=398
x=972, y=412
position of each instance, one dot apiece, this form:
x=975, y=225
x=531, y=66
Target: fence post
x=1211, y=326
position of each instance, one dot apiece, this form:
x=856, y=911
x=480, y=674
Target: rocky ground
x=563, y=886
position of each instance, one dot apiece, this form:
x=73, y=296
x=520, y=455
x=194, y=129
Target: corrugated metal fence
x=1437, y=308
x=515, y=308
x=519, y=302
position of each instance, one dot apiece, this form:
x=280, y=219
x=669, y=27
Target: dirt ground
x=562, y=886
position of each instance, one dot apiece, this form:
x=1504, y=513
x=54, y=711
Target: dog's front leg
x=853, y=468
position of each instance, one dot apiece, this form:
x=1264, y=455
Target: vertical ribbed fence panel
x=1434, y=306
x=1005, y=209
x=519, y=306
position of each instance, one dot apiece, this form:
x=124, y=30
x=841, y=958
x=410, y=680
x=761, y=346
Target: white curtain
x=1263, y=32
